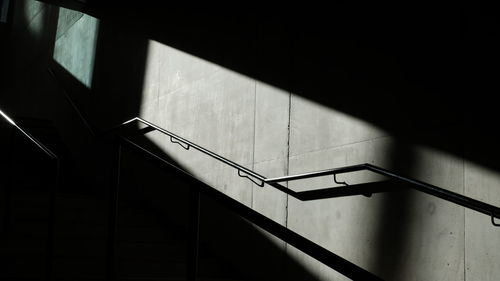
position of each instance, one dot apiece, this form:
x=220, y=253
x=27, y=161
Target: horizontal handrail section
x=479, y=206
x=416, y=184
x=316, y=251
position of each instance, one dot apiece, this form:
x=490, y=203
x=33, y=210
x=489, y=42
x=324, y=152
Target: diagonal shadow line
x=321, y=254
x=366, y=189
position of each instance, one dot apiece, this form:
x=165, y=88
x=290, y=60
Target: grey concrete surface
x=317, y=269
x=482, y=240
x=151, y=83
x=205, y=104
x=179, y=69
x=66, y=19
x=75, y=45
x=335, y=224
x=315, y=127
x=29, y=18
x=226, y=180
x=271, y=123
x=398, y=236
x=216, y=113
x=401, y=236
x=268, y=200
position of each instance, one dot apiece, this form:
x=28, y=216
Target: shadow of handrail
x=321, y=254
x=330, y=192
x=398, y=182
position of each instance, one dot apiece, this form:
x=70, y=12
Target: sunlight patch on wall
x=75, y=45
x=34, y=14
x=4, y=7
x=205, y=103
x=204, y=100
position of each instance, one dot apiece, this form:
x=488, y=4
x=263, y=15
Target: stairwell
x=148, y=246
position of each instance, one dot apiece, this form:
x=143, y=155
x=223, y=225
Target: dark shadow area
x=393, y=220
x=24, y=52
x=27, y=176
x=227, y=230
x=117, y=85
x=424, y=72
x=229, y=245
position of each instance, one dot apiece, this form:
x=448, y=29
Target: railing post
x=113, y=211
x=193, y=233
x=53, y=188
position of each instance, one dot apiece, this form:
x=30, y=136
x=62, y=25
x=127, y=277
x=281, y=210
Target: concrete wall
x=398, y=236
x=401, y=236
x=324, y=111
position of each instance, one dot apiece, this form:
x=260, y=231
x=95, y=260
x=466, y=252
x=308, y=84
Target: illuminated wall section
x=75, y=44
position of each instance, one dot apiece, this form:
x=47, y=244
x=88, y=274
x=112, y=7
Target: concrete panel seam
x=288, y=158
x=254, y=134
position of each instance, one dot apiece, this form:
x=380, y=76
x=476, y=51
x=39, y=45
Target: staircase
x=148, y=247
x=136, y=234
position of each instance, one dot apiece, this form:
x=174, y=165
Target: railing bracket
x=493, y=220
x=339, y=182
x=259, y=180
x=261, y=183
x=346, y=184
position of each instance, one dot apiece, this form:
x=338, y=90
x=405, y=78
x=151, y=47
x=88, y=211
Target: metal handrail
x=39, y=144
x=260, y=180
x=307, y=246
x=52, y=194
x=179, y=140
x=456, y=198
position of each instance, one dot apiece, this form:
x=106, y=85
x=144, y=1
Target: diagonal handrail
x=328, y=258
x=479, y=206
x=38, y=143
x=187, y=144
x=316, y=251
x=52, y=193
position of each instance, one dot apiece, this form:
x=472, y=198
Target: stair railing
x=396, y=182
x=32, y=139
x=350, y=270
x=196, y=186
x=52, y=194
